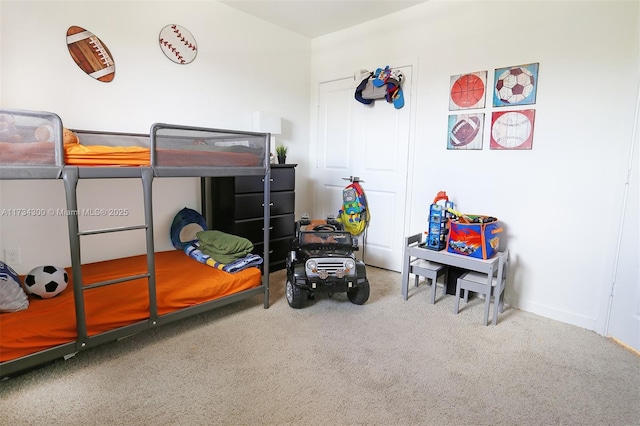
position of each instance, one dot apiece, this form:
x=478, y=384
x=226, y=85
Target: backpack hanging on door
x=384, y=83
x=354, y=214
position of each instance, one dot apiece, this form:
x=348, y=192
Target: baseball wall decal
x=90, y=54
x=178, y=44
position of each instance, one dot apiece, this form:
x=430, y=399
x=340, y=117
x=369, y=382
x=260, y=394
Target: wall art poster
x=90, y=54
x=515, y=85
x=465, y=131
x=178, y=44
x=512, y=129
x=467, y=91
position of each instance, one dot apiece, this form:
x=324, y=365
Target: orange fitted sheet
x=98, y=155
x=180, y=281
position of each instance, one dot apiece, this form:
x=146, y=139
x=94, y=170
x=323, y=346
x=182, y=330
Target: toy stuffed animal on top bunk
x=46, y=134
x=9, y=132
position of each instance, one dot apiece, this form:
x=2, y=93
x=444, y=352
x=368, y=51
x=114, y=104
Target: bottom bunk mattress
x=180, y=282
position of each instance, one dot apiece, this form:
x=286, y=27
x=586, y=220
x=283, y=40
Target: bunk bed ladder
x=70, y=176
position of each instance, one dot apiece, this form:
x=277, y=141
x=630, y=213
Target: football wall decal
x=90, y=54
x=46, y=281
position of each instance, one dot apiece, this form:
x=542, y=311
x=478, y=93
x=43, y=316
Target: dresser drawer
x=249, y=206
x=280, y=226
x=282, y=179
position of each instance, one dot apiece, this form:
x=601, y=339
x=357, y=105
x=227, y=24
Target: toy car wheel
x=359, y=295
x=295, y=295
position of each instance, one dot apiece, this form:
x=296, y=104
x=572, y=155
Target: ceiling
x=314, y=18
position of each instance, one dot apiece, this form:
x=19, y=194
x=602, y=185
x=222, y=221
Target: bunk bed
x=112, y=299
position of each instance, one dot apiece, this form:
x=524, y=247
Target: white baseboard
x=555, y=314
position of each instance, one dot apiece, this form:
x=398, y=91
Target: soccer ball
x=514, y=85
x=46, y=281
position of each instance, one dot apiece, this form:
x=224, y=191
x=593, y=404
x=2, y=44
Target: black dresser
x=235, y=205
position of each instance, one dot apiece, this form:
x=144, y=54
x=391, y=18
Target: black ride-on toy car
x=322, y=260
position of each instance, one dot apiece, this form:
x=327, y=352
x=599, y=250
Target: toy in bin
x=439, y=215
x=474, y=236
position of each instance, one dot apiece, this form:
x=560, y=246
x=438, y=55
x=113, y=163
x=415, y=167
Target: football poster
x=465, y=131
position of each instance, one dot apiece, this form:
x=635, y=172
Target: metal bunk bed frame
x=71, y=176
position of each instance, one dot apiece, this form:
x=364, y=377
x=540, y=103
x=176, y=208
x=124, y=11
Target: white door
x=624, y=316
x=372, y=143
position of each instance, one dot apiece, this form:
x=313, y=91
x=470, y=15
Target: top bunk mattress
x=31, y=140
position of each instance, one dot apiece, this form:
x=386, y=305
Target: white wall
x=243, y=65
x=560, y=202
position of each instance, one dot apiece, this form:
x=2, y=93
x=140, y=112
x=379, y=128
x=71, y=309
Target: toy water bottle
x=438, y=222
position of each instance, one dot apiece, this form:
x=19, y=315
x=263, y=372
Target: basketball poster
x=465, y=131
x=512, y=129
x=516, y=85
x=467, y=91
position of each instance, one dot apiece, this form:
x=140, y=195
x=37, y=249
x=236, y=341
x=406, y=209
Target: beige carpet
x=388, y=362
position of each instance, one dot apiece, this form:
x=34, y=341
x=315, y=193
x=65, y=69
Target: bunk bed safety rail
x=31, y=144
x=177, y=150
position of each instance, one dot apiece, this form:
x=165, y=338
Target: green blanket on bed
x=222, y=247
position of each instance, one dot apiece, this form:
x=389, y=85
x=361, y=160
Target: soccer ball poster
x=516, y=85
x=467, y=91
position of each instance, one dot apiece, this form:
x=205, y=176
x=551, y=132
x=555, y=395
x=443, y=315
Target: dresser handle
x=271, y=227
x=270, y=180
x=271, y=204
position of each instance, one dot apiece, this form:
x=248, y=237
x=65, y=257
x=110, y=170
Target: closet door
x=371, y=142
x=624, y=316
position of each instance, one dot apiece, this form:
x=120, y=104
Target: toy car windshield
x=326, y=239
